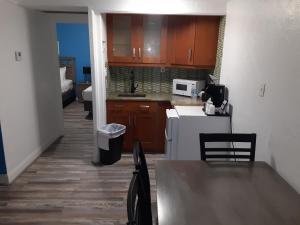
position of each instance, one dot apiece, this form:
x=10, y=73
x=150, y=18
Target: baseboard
x=13, y=174
x=3, y=179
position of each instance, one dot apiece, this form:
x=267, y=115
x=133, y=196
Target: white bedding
x=66, y=85
x=87, y=94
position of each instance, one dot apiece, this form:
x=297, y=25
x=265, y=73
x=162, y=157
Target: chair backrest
x=226, y=153
x=141, y=165
x=133, y=201
x=138, y=211
x=145, y=191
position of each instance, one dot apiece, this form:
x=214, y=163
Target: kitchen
x=133, y=85
x=148, y=57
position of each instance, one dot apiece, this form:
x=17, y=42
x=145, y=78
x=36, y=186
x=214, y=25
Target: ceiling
x=54, y=5
x=193, y=7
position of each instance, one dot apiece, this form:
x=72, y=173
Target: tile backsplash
x=150, y=79
x=217, y=71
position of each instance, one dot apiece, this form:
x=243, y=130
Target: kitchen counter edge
x=173, y=99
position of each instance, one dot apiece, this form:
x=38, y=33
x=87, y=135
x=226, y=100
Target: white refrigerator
x=184, y=124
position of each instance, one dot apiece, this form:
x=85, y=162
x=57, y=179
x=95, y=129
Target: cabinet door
x=120, y=34
x=183, y=39
x=145, y=131
x=206, y=40
x=137, y=38
x=154, y=38
x=122, y=117
x=145, y=128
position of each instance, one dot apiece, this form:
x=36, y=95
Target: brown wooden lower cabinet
x=144, y=120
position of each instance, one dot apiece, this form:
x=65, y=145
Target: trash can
x=110, y=142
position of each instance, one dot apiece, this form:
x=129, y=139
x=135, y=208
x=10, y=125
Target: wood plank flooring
x=63, y=187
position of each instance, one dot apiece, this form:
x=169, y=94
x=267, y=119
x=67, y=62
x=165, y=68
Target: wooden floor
x=63, y=187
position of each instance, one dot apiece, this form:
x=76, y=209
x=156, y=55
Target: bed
x=87, y=96
x=67, y=79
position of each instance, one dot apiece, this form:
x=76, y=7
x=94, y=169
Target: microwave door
x=181, y=87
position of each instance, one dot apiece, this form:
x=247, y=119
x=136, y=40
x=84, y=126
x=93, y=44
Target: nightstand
x=80, y=88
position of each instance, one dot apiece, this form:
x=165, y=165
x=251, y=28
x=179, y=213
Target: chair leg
x=154, y=213
x=89, y=116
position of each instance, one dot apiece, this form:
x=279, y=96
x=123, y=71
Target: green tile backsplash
x=150, y=79
x=217, y=71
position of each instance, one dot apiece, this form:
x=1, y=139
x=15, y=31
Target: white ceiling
x=196, y=7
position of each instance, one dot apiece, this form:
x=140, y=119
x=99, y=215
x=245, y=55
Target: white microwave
x=185, y=87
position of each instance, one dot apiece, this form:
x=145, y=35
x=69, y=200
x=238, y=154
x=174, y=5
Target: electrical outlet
x=18, y=56
x=262, y=90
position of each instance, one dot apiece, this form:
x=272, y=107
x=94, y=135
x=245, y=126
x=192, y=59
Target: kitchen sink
x=134, y=95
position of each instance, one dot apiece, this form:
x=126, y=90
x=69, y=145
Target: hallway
x=63, y=187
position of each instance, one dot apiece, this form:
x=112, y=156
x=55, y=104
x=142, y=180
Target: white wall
x=262, y=45
x=98, y=45
x=215, y=7
x=31, y=111
x=66, y=18
x=53, y=18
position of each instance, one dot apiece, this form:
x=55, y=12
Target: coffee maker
x=216, y=93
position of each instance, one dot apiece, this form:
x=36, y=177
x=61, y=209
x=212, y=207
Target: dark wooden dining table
x=200, y=193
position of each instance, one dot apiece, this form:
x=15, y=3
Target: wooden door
x=145, y=127
x=120, y=38
x=153, y=38
x=182, y=39
x=206, y=40
x=117, y=114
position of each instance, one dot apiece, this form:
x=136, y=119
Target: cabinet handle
x=189, y=54
x=145, y=106
x=134, y=122
x=133, y=52
x=140, y=53
x=129, y=121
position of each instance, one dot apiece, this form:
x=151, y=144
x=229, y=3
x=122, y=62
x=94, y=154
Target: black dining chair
x=133, y=201
x=244, y=153
x=148, y=210
x=141, y=165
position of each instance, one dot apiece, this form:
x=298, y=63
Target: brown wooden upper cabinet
x=136, y=38
x=181, y=39
x=166, y=40
x=193, y=40
x=206, y=40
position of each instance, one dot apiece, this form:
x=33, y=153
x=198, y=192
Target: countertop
x=173, y=99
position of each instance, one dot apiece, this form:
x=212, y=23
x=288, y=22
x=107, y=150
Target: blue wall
x=74, y=41
x=2, y=158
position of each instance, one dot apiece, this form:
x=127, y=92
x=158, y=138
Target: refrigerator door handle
x=166, y=135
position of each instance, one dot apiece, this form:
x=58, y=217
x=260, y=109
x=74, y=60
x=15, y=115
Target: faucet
x=133, y=87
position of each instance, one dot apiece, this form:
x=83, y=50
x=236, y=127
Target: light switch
x=18, y=56
x=262, y=90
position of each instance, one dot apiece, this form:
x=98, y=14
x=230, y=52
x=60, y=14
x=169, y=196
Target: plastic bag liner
x=109, y=131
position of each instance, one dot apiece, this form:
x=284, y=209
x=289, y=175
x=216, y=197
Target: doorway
x=75, y=67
